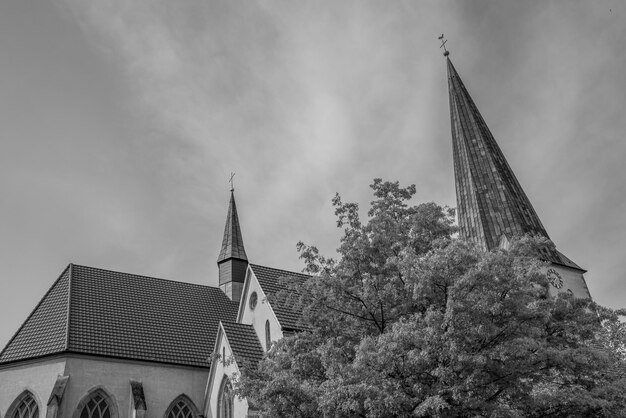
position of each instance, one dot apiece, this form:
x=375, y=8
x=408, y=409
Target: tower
x=491, y=205
x=232, y=261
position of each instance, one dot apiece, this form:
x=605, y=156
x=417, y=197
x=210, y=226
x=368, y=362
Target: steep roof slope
x=270, y=280
x=232, y=243
x=244, y=343
x=113, y=314
x=490, y=200
x=45, y=330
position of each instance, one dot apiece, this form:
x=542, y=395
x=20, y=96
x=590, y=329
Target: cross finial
x=232, y=186
x=443, y=45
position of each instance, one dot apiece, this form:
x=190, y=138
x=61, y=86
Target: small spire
x=232, y=243
x=443, y=45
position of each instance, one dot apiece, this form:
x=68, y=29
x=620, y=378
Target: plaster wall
x=572, y=280
x=261, y=313
x=218, y=371
x=161, y=384
x=36, y=376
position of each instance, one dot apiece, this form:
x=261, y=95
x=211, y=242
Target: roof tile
x=270, y=280
x=124, y=315
x=244, y=343
x=45, y=330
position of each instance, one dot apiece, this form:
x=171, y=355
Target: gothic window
x=181, y=407
x=96, y=405
x=225, y=400
x=25, y=406
x=268, y=337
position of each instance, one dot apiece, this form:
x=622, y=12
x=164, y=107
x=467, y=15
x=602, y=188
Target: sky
x=120, y=123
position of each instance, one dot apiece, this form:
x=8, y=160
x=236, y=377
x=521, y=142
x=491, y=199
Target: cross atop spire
x=443, y=45
x=232, y=184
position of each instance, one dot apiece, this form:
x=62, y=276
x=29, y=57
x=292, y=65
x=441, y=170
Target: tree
x=410, y=321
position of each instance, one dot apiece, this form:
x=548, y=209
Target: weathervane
x=232, y=187
x=443, y=45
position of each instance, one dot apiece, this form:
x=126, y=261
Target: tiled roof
x=270, y=281
x=45, y=330
x=566, y=261
x=244, y=343
x=123, y=315
x=232, y=243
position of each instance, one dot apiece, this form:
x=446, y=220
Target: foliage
x=412, y=322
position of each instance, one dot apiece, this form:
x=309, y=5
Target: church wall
x=37, y=376
x=571, y=279
x=261, y=313
x=219, y=370
x=161, y=383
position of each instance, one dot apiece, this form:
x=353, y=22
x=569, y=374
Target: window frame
x=225, y=385
x=93, y=392
x=268, y=336
x=19, y=399
x=187, y=400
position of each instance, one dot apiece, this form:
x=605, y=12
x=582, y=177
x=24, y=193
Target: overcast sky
x=120, y=122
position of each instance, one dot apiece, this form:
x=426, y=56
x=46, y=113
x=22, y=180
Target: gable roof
x=244, y=343
x=113, y=314
x=270, y=280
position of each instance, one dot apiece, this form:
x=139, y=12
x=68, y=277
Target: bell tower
x=232, y=261
x=491, y=204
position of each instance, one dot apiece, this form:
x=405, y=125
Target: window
x=24, y=406
x=225, y=400
x=96, y=405
x=268, y=336
x=181, y=407
x=253, y=300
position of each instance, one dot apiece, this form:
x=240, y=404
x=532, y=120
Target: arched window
x=24, y=406
x=268, y=336
x=181, y=407
x=225, y=400
x=97, y=404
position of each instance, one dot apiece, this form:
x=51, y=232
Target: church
x=107, y=344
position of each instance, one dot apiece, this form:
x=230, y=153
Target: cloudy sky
x=120, y=122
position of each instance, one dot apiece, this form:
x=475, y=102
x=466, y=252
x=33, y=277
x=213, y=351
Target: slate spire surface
x=232, y=243
x=490, y=201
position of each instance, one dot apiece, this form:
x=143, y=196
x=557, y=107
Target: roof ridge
x=34, y=310
x=286, y=271
x=69, y=307
x=237, y=323
x=146, y=277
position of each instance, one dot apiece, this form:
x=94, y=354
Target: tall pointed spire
x=232, y=261
x=491, y=205
x=232, y=243
x=490, y=201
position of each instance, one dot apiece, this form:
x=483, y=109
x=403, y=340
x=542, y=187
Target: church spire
x=232, y=243
x=232, y=260
x=490, y=201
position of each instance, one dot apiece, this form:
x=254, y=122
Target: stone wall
x=161, y=383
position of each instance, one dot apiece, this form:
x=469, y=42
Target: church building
x=107, y=344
